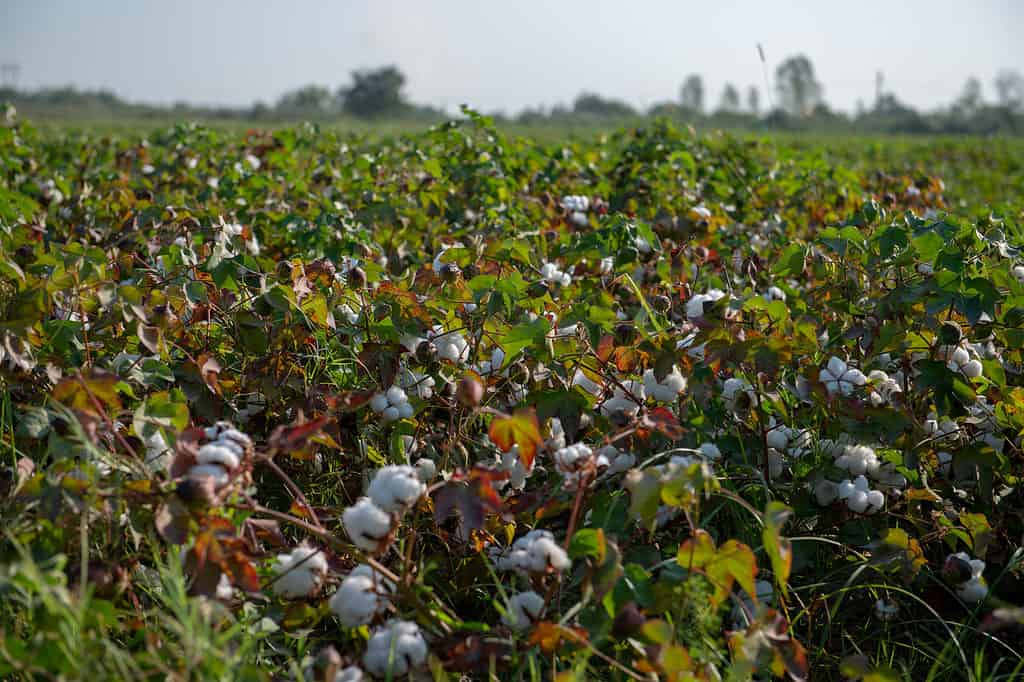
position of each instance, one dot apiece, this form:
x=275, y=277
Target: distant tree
x=691, y=95
x=730, y=101
x=798, y=88
x=374, y=92
x=753, y=100
x=595, y=105
x=307, y=99
x=970, y=99
x=1009, y=86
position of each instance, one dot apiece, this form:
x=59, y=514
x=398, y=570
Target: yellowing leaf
x=778, y=548
x=520, y=429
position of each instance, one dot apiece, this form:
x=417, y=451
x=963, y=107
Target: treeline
x=796, y=102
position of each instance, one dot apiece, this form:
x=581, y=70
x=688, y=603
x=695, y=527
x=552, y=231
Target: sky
x=507, y=56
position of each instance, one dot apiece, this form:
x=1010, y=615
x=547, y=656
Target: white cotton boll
x=396, y=395
x=224, y=589
x=352, y=673
x=702, y=211
x=301, y=572
x=398, y=647
x=579, y=219
x=738, y=395
x=395, y=487
x=214, y=453
x=391, y=414
x=214, y=471
x=778, y=438
x=1018, y=272
x=406, y=410
x=545, y=553
x=710, y=451
x=666, y=390
x=886, y=610
x=557, y=439
x=973, y=591
x=357, y=601
x=524, y=609
x=876, y=500
x=972, y=369
x=586, y=383
x=379, y=402
x=858, y=501
x=775, y=294
x=158, y=453
x=366, y=524
x=695, y=306
x=426, y=469
x=845, y=489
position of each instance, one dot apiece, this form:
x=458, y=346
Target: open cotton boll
x=667, y=389
x=841, y=379
x=158, y=453
x=1018, y=272
x=301, y=572
x=617, y=461
x=397, y=648
x=395, y=487
x=359, y=598
x=524, y=609
x=216, y=453
x=392, y=405
x=575, y=202
x=551, y=273
x=545, y=554
x=623, y=402
x=586, y=383
x=775, y=294
x=218, y=473
x=571, y=457
x=366, y=524
x=738, y=395
x=960, y=360
x=452, y=347
x=698, y=303
x=858, y=460
x=426, y=469
x=883, y=388
x=826, y=492
x=710, y=451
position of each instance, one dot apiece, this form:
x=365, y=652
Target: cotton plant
x=395, y=488
x=841, y=379
x=299, y=573
x=392, y=404
x=396, y=648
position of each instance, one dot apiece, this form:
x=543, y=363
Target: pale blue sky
x=506, y=55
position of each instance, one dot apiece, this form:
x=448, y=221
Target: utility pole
x=879, y=85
